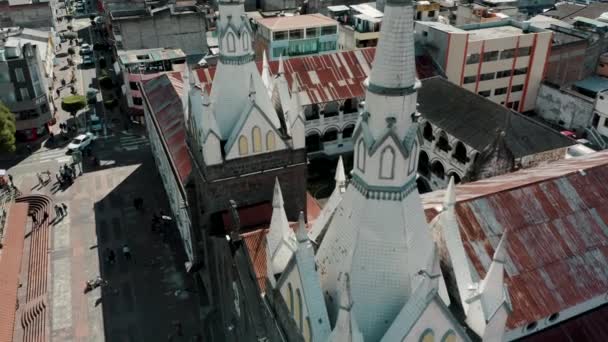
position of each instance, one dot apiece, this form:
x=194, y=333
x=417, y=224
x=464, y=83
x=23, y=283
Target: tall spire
x=346, y=329
x=492, y=287
x=301, y=232
x=280, y=239
x=281, y=67
x=266, y=73
x=340, y=177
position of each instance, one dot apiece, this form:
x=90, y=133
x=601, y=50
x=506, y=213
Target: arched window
x=243, y=146
x=413, y=157
x=438, y=169
x=456, y=177
x=256, y=132
x=427, y=132
x=423, y=164
x=290, y=298
x=298, y=309
x=245, y=41
x=443, y=143
x=361, y=155
x=427, y=336
x=313, y=142
x=460, y=153
x=449, y=336
x=347, y=132
x=331, y=134
x=270, y=141
x=307, y=331
x=387, y=163
x=231, y=42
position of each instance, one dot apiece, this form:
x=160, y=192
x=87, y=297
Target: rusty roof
x=164, y=95
x=256, y=240
x=590, y=326
x=10, y=266
x=557, y=217
x=328, y=77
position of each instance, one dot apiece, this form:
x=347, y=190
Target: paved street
x=146, y=294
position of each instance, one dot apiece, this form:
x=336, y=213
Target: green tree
x=71, y=51
x=73, y=103
x=7, y=129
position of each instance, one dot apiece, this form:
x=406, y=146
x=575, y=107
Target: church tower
x=239, y=141
x=378, y=234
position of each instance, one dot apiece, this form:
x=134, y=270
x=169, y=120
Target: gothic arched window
x=246, y=41
x=361, y=155
x=231, y=42
x=257, y=139
x=413, y=157
x=243, y=146
x=307, y=330
x=270, y=141
x=427, y=336
x=298, y=309
x=387, y=163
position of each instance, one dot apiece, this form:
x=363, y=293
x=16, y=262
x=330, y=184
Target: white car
x=85, y=49
x=88, y=60
x=81, y=141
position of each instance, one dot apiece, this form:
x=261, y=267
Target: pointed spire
x=281, y=67
x=492, y=286
x=266, y=73
x=450, y=195
x=277, y=197
x=340, y=176
x=301, y=233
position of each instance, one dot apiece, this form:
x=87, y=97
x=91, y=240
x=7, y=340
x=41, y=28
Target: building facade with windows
x=504, y=60
x=24, y=87
x=359, y=25
x=141, y=65
x=298, y=35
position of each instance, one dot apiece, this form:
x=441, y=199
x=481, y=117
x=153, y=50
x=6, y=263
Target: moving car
x=95, y=123
x=81, y=141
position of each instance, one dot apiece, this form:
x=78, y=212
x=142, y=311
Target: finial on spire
x=301, y=233
x=450, y=194
x=264, y=60
x=277, y=197
x=340, y=176
x=281, y=67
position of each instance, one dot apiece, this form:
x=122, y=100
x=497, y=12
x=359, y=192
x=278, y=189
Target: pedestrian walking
x=126, y=251
x=65, y=209
x=57, y=211
x=111, y=256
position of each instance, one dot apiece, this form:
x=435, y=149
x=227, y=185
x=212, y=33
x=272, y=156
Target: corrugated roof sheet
x=329, y=77
x=256, y=240
x=10, y=265
x=474, y=120
x=557, y=217
x=591, y=326
x=164, y=94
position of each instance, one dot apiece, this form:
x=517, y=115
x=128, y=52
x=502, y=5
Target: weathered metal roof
x=557, y=218
x=329, y=77
x=164, y=94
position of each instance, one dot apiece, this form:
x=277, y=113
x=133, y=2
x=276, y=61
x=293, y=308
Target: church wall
x=255, y=119
x=433, y=322
x=543, y=157
x=290, y=287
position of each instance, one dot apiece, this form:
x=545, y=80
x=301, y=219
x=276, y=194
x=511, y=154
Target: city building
x=568, y=11
x=140, y=65
x=23, y=83
x=359, y=25
x=297, y=35
x=164, y=118
x=476, y=13
x=503, y=61
x=495, y=137
x=26, y=13
x=169, y=26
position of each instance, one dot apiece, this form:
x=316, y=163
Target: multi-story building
x=141, y=65
x=504, y=61
x=298, y=35
x=170, y=26
x=26, y=13
x=359, y=25
x=24, y=87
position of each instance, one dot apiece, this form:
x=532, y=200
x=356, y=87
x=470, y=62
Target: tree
x=106, y=82
x=71, y=51
x=7, y=129
x=102, y=63
x=73, y=103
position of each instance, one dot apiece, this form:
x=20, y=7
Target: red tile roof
x=256, y=241
x=164, y=94
x=329, y=77
x=557, y=218
x=10, y=265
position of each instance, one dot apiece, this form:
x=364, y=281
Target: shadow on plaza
x=142, y=289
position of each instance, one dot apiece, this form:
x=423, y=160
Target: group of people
x=61, y=210
x=44, y=177
x=66, y=174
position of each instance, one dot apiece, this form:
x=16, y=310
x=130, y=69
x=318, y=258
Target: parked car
x=81, y=141
x=85, y=49
x=88, y=60
x=92, y=96
x=95, y=123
